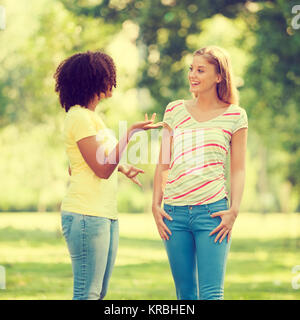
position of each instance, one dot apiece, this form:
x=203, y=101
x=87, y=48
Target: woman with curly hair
x=89, y=208
x=190, y=176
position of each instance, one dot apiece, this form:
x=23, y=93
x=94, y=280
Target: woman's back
x=87, y=193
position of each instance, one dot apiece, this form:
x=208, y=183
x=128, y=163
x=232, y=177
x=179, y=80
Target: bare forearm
x=96, y=157
x=237, y=189
x=162, y=169
x=114, y=157
x=157, y=188
x=160, y=177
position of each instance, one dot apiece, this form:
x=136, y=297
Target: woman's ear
x=219, y=78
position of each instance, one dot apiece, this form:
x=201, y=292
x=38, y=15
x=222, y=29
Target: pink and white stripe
x=183, y=121
x=193, y=170
x=186, y=152
x=188, y=131
x=195, y=189
x=202, y=201
x=172, y=108
x=232, y=114
x=228, y=132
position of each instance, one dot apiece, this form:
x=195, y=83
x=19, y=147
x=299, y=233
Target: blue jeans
x=197, y=262
x=92, y=243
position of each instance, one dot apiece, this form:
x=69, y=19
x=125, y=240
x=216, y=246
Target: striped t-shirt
x=199, y=153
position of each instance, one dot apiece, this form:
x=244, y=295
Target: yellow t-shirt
x=87, y=193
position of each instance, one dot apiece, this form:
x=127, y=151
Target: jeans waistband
x=208, y=205
x=74, y=214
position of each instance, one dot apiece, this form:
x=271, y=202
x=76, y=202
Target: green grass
x=264, y=250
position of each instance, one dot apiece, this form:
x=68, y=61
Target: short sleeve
x=82, y=125
x=242, y=121
x=167, y=119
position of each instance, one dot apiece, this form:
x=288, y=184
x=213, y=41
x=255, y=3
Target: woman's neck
x=207, y=102
x=93, y=104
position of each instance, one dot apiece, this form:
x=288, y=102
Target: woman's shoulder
x=237, y=109
x=75, y=116
x=76, y=112
x=174, y=104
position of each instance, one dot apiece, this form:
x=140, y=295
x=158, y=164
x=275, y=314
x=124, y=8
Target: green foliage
x=261, y=34
x=27, y=83
x=270, y=84
x=34, y=178
x=151, y=43
x=165, y=28
x=34, y=169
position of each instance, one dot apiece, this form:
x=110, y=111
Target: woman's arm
x=160, y=179
x=103, y=166
x=237, y=181
x=238, y=168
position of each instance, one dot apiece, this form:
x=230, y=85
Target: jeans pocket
x=220, y=205
x=66, y=223
x=169, y=209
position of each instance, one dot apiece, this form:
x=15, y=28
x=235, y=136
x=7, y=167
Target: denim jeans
x=92, y=243
x=197, y=263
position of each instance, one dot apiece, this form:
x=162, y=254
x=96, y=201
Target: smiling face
x=202, y=76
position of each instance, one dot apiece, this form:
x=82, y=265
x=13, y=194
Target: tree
x=270, y=85
x=268, y=94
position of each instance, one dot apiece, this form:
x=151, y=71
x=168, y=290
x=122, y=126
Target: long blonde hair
x=226, y=88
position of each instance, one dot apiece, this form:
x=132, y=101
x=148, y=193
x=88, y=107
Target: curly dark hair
x=81, y=76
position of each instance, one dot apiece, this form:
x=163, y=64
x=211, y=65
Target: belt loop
x=207, y=207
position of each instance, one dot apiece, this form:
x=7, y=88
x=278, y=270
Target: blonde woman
x=196, y=220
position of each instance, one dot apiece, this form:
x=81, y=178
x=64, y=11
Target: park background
x=151, y=43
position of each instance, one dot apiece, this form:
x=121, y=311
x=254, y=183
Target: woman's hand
x=146, y=125
x=131, y=173
x=159, y=214
x=225, y=227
